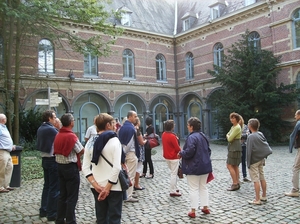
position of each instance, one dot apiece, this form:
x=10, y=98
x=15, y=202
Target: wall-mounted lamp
x=71, y=75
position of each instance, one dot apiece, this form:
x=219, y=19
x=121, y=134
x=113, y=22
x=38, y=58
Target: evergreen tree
x=248, y=78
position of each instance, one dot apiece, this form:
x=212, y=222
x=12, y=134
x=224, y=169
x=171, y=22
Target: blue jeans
x=51, y=188
x=69, y=181
x=244, y=170
x=110, y=209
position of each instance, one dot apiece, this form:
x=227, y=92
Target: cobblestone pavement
x=156, y=206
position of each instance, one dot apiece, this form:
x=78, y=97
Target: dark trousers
x=109, y=210
x=244, y=168
x=148, y=160
x=69, y=188
x=50, y=189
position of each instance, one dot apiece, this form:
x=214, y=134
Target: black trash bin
x=16, y=159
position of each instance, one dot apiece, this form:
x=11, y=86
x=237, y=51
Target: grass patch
x=31, y=165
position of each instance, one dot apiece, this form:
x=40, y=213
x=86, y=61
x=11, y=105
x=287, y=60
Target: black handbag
x=123, y=177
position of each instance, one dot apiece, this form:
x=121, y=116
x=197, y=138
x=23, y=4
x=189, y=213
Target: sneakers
x=131, y=199
x=254, y=202
x=292, y=194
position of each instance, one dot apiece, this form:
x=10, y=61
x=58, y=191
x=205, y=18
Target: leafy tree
x=248, y=78
x=21, y=21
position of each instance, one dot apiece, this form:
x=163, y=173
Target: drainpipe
x=176, y=74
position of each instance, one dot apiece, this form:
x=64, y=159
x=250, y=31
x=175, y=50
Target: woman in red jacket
x=171, y=148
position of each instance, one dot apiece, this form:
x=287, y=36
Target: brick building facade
x=160, y=64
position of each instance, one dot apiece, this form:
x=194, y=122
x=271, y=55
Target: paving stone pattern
x=156, y=206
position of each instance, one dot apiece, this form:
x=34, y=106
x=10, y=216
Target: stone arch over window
x=128, y=64
x=218, y=54
x=46, y=56
x=296, y=28
x=189, y=66
x=161, y=74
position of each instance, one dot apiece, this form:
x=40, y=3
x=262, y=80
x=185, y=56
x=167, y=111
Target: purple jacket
x=196, y=155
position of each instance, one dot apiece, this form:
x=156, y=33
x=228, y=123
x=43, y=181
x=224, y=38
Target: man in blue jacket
x=295, y=142
x=45, y=138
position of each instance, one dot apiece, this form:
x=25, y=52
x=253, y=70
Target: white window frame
x=45, y=56
x=215, y=12
x=218, y=54
x=90, y=65
x=296, y=28
x=254, y=40
x=189, y=66
x=128, y=64
x=161, y=74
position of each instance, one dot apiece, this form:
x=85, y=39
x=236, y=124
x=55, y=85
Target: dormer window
x=125, y=16
x=188, y=20
x=249, y=2
x=217, y=9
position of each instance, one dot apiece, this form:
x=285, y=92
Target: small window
x=128, y=64
x=125, y=16
x=296, y=28
x=218, y=54
x=90, y=65
x=189, y=66
x=46, y=57
x=249, y=2
x=186, y=24
x=214, y=12
x=254, y=40
x=1, y=54
x=161, y=68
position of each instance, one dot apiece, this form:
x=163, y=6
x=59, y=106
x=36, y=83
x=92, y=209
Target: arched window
x=90, y=65
x=218, y=54
x=128, y=64
x=254, y=40
x=46, y=57
x=189, y=66
x=296, y=28
x=161, y=68
x=1, y=54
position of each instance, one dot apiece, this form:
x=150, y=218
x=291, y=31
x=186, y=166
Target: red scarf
x=64, y=143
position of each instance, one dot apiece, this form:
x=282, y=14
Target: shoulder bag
x=123, y=177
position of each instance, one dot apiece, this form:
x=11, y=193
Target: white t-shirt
x=91, y=132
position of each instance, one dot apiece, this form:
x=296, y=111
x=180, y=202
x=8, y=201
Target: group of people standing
x=110, y=150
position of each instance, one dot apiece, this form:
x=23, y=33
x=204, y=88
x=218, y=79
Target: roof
x=166, y=16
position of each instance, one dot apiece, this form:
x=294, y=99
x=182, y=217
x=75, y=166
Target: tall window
x=128, y=64
x=1, y=54
x=46, y=56
x=189, y=66
x=296, y=28
x=90, y=65
x=161, y=68
x=298, y=87
x=254, y=40
x=218, y=54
